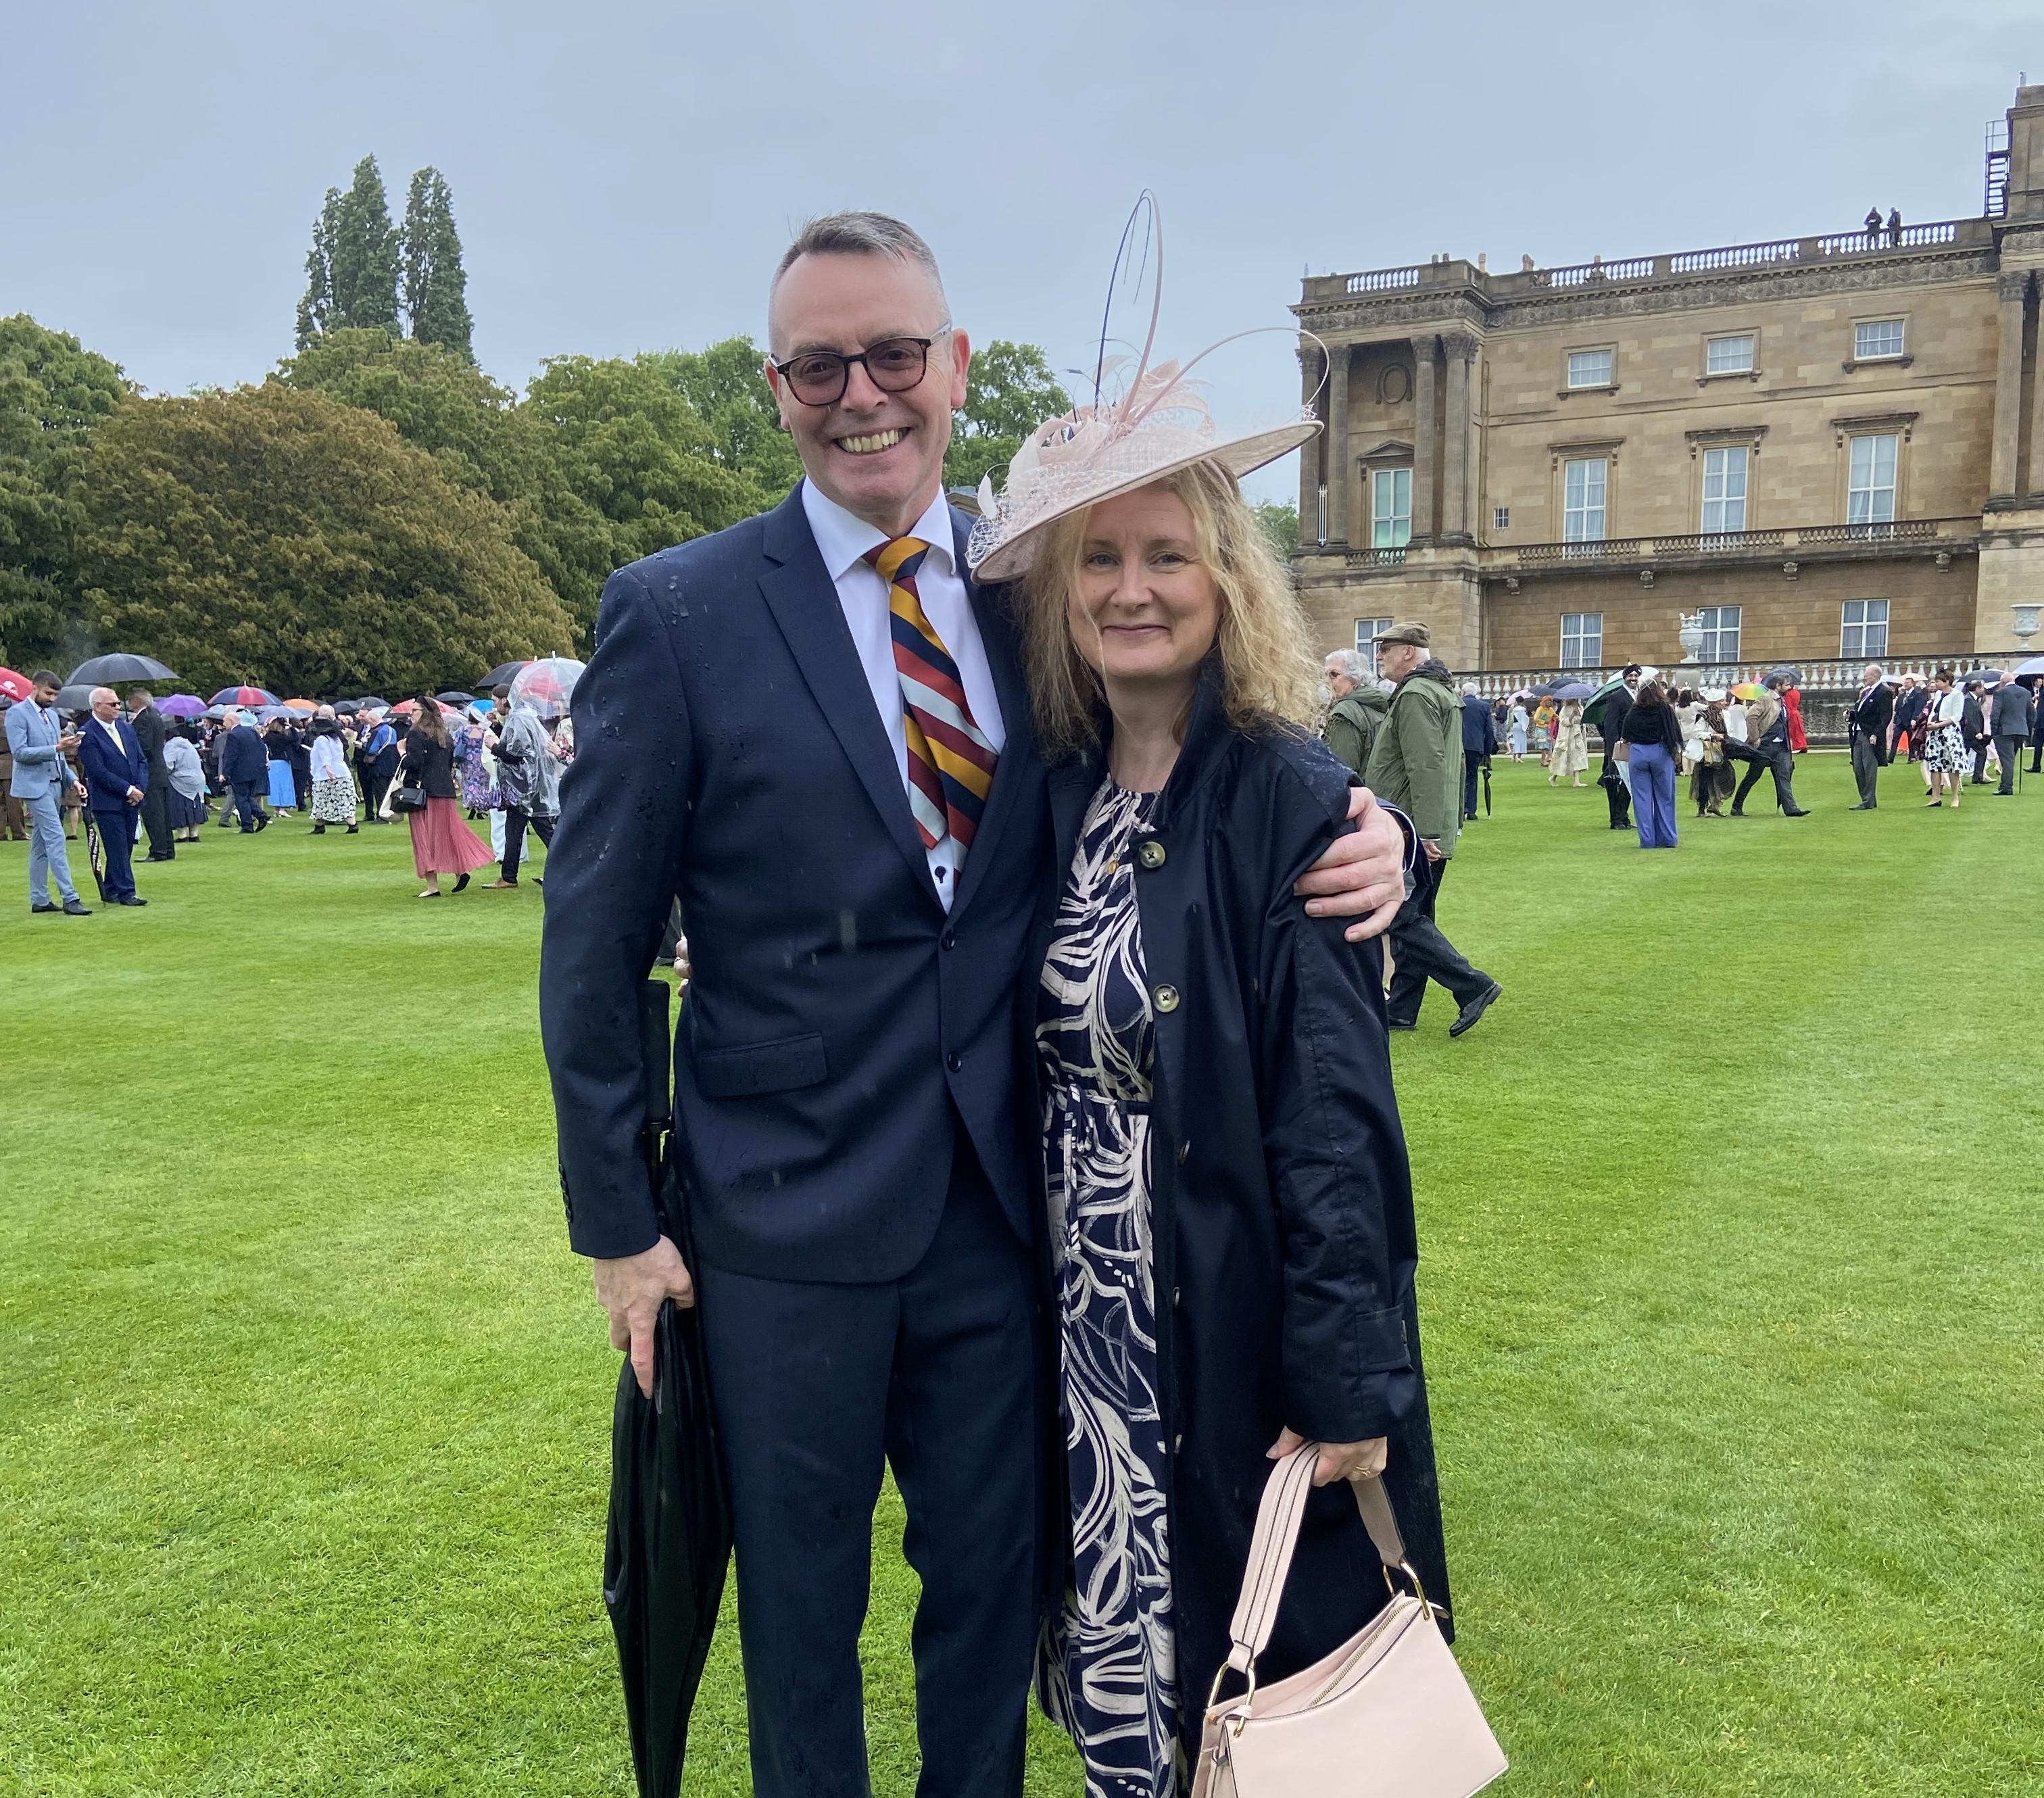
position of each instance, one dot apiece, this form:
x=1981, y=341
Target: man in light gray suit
x=39, y=742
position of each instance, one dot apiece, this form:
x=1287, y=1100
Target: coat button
x=1166, y=997
x=949, y=939
x=1151, y=853
x=955, y=1061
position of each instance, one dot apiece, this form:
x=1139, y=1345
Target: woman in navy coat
x=1230, y=1208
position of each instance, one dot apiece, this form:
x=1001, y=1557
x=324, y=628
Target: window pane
x=1589, y=368
x=1878, y=337
x=1870, y=492
x=1729, y=356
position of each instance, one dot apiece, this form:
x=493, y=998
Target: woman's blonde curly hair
x=1269, y=674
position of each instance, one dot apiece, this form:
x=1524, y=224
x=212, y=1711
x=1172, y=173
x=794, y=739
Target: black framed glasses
x=893, y=365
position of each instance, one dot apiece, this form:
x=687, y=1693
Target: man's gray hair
x=860, y=234
x=1350, y=665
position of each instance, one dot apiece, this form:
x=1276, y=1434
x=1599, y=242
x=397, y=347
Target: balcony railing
x=1375, y=558
x=1786, y=542
x=1378, y=280
x=1836, y=674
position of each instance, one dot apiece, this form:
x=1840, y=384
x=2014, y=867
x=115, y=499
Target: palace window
x=1582, y=500
x=1720, y=625
x=1590, y=368
x=1863, y=634
x=1724, y=489
x=1500, y=517
x=1582, y=639
x=1876, y=338
x=1367, y=631
x=1870, y=480
x=1729, y=356
x=1390, y=507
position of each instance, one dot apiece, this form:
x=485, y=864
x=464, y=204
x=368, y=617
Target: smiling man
x=812, y=728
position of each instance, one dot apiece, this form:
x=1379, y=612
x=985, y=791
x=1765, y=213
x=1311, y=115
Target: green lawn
x=1733, y=1241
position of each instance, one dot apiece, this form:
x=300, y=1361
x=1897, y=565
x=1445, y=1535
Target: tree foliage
x=1010, y=390
x=352, y=270
x=1280, y=520
x=273, y=532
x=52, y=392
x=436, y=285
x=725, y=387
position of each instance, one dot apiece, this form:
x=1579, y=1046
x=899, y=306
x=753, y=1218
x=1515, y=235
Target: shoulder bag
x=1388, y=1714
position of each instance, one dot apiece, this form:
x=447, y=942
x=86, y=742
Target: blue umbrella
x=1571, y=690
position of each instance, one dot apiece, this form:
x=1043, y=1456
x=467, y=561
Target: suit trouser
x=814, y=1386
x=156, y=813
x=247, y=806
x=2008, y=748
x=1774, y=758
x=48, y=858
x=1423, y=953
x=515, y=818
x=1866, y=770
x=13, y=817
x=1617, y=793
x=1472, y=765
x=116, y=844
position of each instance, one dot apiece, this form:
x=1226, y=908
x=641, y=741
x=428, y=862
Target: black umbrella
x=501, y=675
x=667, y=1545
x=1486, y=786
x=369, y=702
x=343, y=707
x=77, y=697
x=105, y=670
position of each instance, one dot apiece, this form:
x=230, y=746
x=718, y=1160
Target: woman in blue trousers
x=1654, y=748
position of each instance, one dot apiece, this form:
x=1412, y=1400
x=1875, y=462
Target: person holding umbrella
x=116, y=777
x=1571, y=754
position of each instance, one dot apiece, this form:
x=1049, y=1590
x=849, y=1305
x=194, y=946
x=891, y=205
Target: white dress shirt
x=843, y=540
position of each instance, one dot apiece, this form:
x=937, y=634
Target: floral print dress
x=478, y=783
x=1107, y=1669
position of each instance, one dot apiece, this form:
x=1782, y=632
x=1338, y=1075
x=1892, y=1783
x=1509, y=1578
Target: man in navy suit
x=854, y=1124
x=244, y=765
x=116, y=779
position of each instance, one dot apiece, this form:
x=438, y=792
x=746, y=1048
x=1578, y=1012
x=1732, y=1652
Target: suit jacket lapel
x=1015, y=773
x=800, y=594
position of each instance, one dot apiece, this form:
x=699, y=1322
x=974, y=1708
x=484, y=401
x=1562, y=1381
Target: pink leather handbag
x=1388, y=1714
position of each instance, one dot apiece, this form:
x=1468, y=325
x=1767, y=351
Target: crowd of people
x=119, y=775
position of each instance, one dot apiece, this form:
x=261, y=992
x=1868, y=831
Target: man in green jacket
x=1358, y=711
x=1415, y=764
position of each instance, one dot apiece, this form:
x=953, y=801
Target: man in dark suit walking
x=2009, y=724
x=244, y=767
x=1479, y=743
x=1866, y=726
x=854, y=1134
x=150, y=730
x=116, y=779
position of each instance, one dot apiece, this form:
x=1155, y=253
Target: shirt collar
x=843, y=538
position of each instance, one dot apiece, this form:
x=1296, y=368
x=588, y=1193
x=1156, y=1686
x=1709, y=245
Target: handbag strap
x=1277, y=1520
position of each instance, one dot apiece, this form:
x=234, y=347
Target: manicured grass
x=1731, y=1228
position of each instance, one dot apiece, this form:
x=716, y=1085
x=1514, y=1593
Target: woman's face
x=1142, y=610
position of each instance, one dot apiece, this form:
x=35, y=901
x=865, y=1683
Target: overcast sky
x=625, y=174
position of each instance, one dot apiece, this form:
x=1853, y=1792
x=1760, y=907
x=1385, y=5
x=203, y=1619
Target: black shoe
x=262, y=823
x=1735, y=813
x=73, y=910
x=1466, y=1018
x=1800, y=811
x=317, y=830
x=1862, y=806
x=350, y=830
x=459, y=884
x=33, y=908
x=1400, y=1023
x=131, y=899
x=2004, y=793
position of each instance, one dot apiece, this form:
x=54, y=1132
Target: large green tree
x=53, y=393
x=725, y=387
x=352, y=270
x=436, y=285
x=1010, y=390
x=274, y=534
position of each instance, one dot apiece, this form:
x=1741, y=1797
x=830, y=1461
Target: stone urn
x=1691, y=634
x=2026, y=625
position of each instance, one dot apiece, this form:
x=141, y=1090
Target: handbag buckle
x=1419, y=1590
x=1238, y=1719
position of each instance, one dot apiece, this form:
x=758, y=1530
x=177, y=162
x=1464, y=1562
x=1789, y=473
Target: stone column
x=1461, y=347
x=1312, y=453
x=1424, y=453
x=2035, y=496
x=2009, y=288
x=1337, y=435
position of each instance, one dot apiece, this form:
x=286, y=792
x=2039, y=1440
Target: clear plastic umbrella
x=547, y=686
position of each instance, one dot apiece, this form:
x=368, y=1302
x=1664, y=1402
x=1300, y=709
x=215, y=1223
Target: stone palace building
x=1821, y=448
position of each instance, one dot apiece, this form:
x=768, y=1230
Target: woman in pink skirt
x=442, y=843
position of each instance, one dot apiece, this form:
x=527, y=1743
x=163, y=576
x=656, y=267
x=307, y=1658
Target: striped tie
x=951, y=762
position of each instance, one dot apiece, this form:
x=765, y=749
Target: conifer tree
x=436, y=286
x=361, y=256
x=316, y=309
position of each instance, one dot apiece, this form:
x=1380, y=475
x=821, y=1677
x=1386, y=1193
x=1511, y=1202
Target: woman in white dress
x=1944, y=755
x=333, y=787
x=1517, y=722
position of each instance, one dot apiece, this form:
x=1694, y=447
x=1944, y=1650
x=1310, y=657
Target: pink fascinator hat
x=1159, y=424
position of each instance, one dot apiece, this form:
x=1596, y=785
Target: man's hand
x=1362, y=875
x=134, y=796
x=632, y=1289
x=1432, y=847
x=1337, y=1461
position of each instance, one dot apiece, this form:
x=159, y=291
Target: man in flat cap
x=1415, y=764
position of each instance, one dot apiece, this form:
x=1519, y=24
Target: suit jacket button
x=1150, y=855
x=1166, y=997
x=949, y=939
x=955, y=1061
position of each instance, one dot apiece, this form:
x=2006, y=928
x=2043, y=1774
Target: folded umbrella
x=667, y=1544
